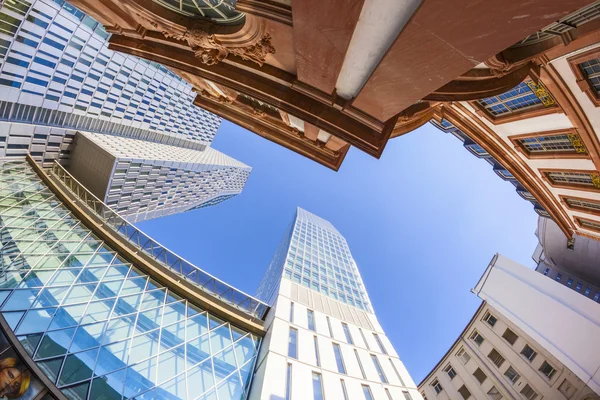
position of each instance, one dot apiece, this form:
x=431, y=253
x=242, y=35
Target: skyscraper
x=323, y=340
x=143, y=180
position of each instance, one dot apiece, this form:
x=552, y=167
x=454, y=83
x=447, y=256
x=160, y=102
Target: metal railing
x=158, y=252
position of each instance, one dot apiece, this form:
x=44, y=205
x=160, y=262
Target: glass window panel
x=67, y=316
x=175, y=387
x=118, y=329
x=77, y=367
x=231, y=388
x=224, y=363
x=198, y=350
x=197, y=325
x=171, y=363
x=220, y=338
x=87, y=336
x=21, y=299
x=153, y=299
x=51, y=296
x=80, y=294
x=55, y=343
x=244, y=350
x=140, y=377
x=143, y=347
x=200, y=378
x=36, y=321
x=173, y=312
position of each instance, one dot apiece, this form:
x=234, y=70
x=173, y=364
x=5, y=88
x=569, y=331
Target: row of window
x=578, y=286
x=310, y=315
x=318, y=392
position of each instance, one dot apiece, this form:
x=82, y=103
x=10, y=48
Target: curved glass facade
x=97, y=326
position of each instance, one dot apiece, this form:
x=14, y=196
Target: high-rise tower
x=323, y=339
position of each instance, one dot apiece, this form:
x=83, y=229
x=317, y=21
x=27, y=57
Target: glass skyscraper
x=87, y=316
x=324, y=340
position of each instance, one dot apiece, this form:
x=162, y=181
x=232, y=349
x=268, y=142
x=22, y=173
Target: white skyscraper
x=143, y=180
x=323, y=339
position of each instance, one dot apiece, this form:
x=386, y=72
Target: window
x=585, y=205
x=590, y=70
x=317, y=357
x=528, y=353
x=477, y=338
x=578, y=288
x=547, y=369
x=288, y=383
x=292, y=312
x=311, y=319
x=329, y=326
x=396, y=372
x=510, y=336
x=450, y=371
x=362, y=370
x=528, y=392
x=546, y=271
x=588, y=224
x=496, y=358
x=558, y=277
x=347, y=333
x=378, y=368
x=490, y=319
x=570, y=282
x=511, y=374
x=367, y=392
x=480, y=375
x=518, y=99
x=436, y=386
x=572, y=179
x=407, y=396
x=587, y=291
x=317, y=386
x=389, y=395
x=293, y=343
x=463, y=356
x=337, y=351
x=379, y=343
x=344, y=391
x=597, y=296
x=555, y=144
x=464, y=392
x=567, y=389
x=494, y=393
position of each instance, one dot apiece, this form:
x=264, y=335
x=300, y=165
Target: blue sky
x=422, y=223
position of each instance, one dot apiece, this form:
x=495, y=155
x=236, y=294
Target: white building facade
x=58, y=76
x=323, y=339
x=143, y=180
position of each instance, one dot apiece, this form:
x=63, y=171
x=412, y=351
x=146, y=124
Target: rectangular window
x=364, y=338
x=490, y=319
x=578, y=288
x=494, y=394
x=590, y=70
x=382, y=376
x=584, y=205
x=556, y=144
x=464, y=392
x=597, y=296
x=337, y=351
x=477, y=338
x=292, y=312
x=547, y=370
x=367, y=392
x=288, y=383
x=528, y=353
x=496, y=358
x=317, y=356
x=396, y=372
x=577, y=180
x=588, y=224
x=436, y=386
x=407, y=396
x=389, y=395
x=558, y=277
x=450, y=371
x=546, y=271
x=317, y=386
x=480, y=375
x=528, y=392
x=570, y=282
x=329, y=326
x=362, y=370
x=311, y=319
x=518, y=99
x=510, y=336
x=379, y=343
x=587, y=291
x=511, y=374
x=347, y=333
x=293, y=343
x=463, y=356
x=344, y=391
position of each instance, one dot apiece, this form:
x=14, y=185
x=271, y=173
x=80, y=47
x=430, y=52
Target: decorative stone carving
x=203, y=38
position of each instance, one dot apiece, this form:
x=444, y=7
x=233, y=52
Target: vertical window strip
x=293, y=343
x=344, y=391
x=329, y=326
x=367, y=392
x=311, y=319
x=317, y=356
x=347, y=333
x=362, y=370
x=364, y=338
x=389, y=395
x=396, y=371
x=288, y=383
x=292, y=312
x=337, y=351
x=379, y=343
x=317, y=386
x=379, y=369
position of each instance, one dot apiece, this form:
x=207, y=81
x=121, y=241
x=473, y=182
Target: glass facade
x=96, y=325
x=315, y=255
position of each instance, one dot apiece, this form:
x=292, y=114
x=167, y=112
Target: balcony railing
x=158, y=252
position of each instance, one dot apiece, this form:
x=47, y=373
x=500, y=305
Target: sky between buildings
x=422, y=223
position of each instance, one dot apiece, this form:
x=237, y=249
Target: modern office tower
x=91, y=308
x=531, y=338
x=143, y=180
x=571, y=262
x=58, y=76
x=323, y=339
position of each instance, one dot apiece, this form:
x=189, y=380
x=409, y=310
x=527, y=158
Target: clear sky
x=422, y=223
